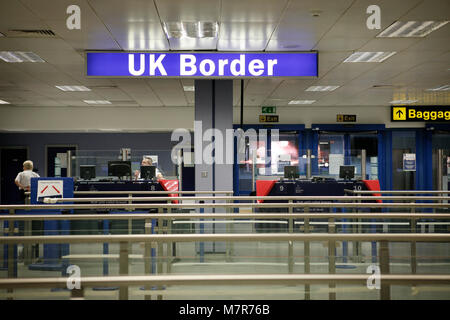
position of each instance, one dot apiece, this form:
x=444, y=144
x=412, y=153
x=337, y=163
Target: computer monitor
x=148, y=172
x=347, y=172
x=119, y=169
x=291, y=172
x=87, y=172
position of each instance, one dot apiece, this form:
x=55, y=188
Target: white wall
x=76, y=119
x=82, y=119
x=308, y=115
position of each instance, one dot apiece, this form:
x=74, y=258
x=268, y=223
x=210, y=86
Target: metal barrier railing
x=398, y=191
x=130, y=193
x=150, y=192
x=307, y=237
x=397, y=237
x=226, y=205
x=241, y=280
x=169, y=216
x=124, y=241
x=250, y=198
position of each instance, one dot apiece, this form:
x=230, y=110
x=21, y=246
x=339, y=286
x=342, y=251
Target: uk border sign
x=201, y=64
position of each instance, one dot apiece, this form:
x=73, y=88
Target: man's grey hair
x=28, y=165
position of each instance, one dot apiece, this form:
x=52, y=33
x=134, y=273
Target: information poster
x=409, y=162
x=49, y=189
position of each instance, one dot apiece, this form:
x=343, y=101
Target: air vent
x=103, y=87
x=30, y=33
x=385, y=86
x=124, y=102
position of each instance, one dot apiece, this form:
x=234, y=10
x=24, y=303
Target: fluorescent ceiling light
x=189, y=88
x=189, y=29
x=19, y=56
x=73, y=88
x=302, y=101
x=322, y=88
x=110, y=130
x=369, y=56
x=410, y=29
x=442, y=88
x=403, y=101
x=4, y=102
x=97, y=101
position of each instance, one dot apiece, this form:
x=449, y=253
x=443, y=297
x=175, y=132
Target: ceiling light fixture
x=190, y=29
x=4, y=102
x=410, y=29
x=369, y=56
x=403, y=101
x=110, y=130
x=73, y=88
x=322, y=88
x=302, y=101
x=441, y=88
x=189, y=88
x=97, y=101
x=19, y=56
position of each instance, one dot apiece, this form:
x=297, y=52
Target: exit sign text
x=346, y=118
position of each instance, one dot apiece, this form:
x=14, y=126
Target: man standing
x=23, y=179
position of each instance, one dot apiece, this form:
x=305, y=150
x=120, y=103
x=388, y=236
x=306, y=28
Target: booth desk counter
x=119, y=226
x=300, y=187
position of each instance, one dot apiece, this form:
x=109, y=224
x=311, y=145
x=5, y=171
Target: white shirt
x=24, y=177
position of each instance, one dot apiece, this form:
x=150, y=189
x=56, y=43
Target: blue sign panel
x=198, y=65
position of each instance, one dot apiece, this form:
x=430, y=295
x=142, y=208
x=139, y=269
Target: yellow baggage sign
x=421, y=113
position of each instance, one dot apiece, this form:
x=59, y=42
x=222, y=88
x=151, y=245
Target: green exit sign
x=269, y=109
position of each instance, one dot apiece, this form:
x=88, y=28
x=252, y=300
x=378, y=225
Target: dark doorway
x=188, y=181
x=56, y=160
x=11, y=164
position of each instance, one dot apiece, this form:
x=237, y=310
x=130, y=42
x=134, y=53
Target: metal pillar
x=69, y=163
x=385, y=292
x=363, y=164
x=332, y=258
x=291, y=243
x=308, y=164
x=307, y=259
x=147, y=255
x=440, y=169
x=123, y=269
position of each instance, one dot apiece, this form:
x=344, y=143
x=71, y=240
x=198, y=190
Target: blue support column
x=314, y=152
x=105, y=260
x=347, y=150
x=268, y=165
x=6, y=247
x=388, y=160
x=428, y=160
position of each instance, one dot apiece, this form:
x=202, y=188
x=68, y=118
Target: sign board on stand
x=409, y=162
